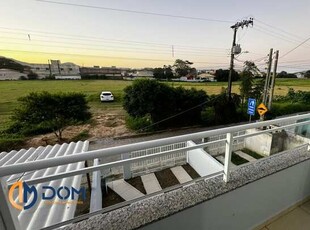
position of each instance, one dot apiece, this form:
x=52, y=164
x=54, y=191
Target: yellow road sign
x=262, y=109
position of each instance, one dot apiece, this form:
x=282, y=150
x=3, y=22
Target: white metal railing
x=101, y=153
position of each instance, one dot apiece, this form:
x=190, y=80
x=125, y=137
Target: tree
x=307, y=74
x=222, y=75
x=50, y=112
x=149, y=98
x=284, y=74
x=182, y=68
x=163, y=73
x=247, y=79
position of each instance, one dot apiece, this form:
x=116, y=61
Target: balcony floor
x=297, y=218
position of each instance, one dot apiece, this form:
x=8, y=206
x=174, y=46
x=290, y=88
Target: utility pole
x=235, y=51
x=267, y=80
x=273, y=80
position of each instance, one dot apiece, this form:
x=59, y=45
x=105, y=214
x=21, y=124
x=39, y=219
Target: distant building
x=68, y=77
x=106, y=71
x=9, y=74
x=206, y=77
x=53, y=68
x=144, y=73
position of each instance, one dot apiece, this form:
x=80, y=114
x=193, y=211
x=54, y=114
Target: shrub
x=166, y=106
x=10, y=142
x=41, y=112
x=139, y=123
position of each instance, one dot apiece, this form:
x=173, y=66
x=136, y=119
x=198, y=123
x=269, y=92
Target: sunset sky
x=35, y=31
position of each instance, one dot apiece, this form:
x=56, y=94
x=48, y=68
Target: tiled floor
x=297, y=219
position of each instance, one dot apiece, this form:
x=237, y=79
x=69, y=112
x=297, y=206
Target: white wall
x=246, y=207
x=203, y=163
x=7, y=74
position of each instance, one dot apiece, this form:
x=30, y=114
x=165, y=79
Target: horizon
x=142, y=34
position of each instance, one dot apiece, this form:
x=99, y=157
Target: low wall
x=202, y=162
x=255, y=193
x=246, y=207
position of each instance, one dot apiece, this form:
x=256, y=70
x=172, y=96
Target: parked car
x=106, y=96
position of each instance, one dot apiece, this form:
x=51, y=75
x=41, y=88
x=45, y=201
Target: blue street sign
x=251, y=106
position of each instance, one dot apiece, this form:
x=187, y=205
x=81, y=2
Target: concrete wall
x=202, y=162
x=246, y=207
x=260, y=143
x=271, y=143
x=8, y=74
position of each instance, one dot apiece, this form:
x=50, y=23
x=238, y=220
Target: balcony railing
x=232, y=135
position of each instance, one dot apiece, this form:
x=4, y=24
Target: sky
x=97, y=34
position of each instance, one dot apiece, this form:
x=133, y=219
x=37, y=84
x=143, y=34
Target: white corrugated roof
x=42, y=214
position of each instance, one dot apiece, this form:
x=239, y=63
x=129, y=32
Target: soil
x=110, y=198
x=137, y=183
x=166, y=178
x=107, y=125
x=191, y=171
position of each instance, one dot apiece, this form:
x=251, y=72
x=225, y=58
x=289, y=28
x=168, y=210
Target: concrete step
x=222, y=160
x=150, y=183
x=124, y=190
x=181, y=174
x=245, y=156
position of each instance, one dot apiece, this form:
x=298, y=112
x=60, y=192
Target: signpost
x=251, y=107
x=262, y=109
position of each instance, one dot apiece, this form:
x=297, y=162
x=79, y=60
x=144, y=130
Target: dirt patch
x=102, y=126
x=191, y=171
x=137, y=183
x=110, y=198
x=166, y=178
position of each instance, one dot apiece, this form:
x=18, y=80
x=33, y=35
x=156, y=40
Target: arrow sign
x=251, y=106
x=262, y=109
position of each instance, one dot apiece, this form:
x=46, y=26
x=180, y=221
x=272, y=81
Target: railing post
x=8, y=215
x=126, y=166
x=228, y=151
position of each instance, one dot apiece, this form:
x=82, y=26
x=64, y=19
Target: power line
x=279, y=29
x=134, y=11
x=295, y=47
x=279, y=34
x=100, y=39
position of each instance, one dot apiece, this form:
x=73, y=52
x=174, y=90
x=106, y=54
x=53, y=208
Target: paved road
x=111, y=142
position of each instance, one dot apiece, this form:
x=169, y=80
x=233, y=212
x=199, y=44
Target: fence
x=8, y=218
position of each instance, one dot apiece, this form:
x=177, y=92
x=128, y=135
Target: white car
x=106, y=96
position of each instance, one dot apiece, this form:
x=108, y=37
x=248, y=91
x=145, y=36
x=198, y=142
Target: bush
x=142, y=124
x=44, y=112
x=165, y=105
x=10, y=142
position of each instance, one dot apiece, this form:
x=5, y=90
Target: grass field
x=12, y=90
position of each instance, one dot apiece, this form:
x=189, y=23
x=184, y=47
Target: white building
x=9, y=74
x=54, y=67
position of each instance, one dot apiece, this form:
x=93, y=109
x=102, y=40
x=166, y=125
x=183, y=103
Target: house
x=9, y=74
x=106, y=71
x=206, y=77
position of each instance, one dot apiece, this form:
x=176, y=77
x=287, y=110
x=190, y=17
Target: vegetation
x=252, y=154
x=6, y=63
x=164, y=73
x=12, y=90
x=284, y=74
x=237, y=160
x=44, y=112
x=223, y=75
x=183, y=68
x=158, y=101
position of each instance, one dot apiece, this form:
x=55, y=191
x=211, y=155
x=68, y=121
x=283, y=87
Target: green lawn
x=12, y=90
